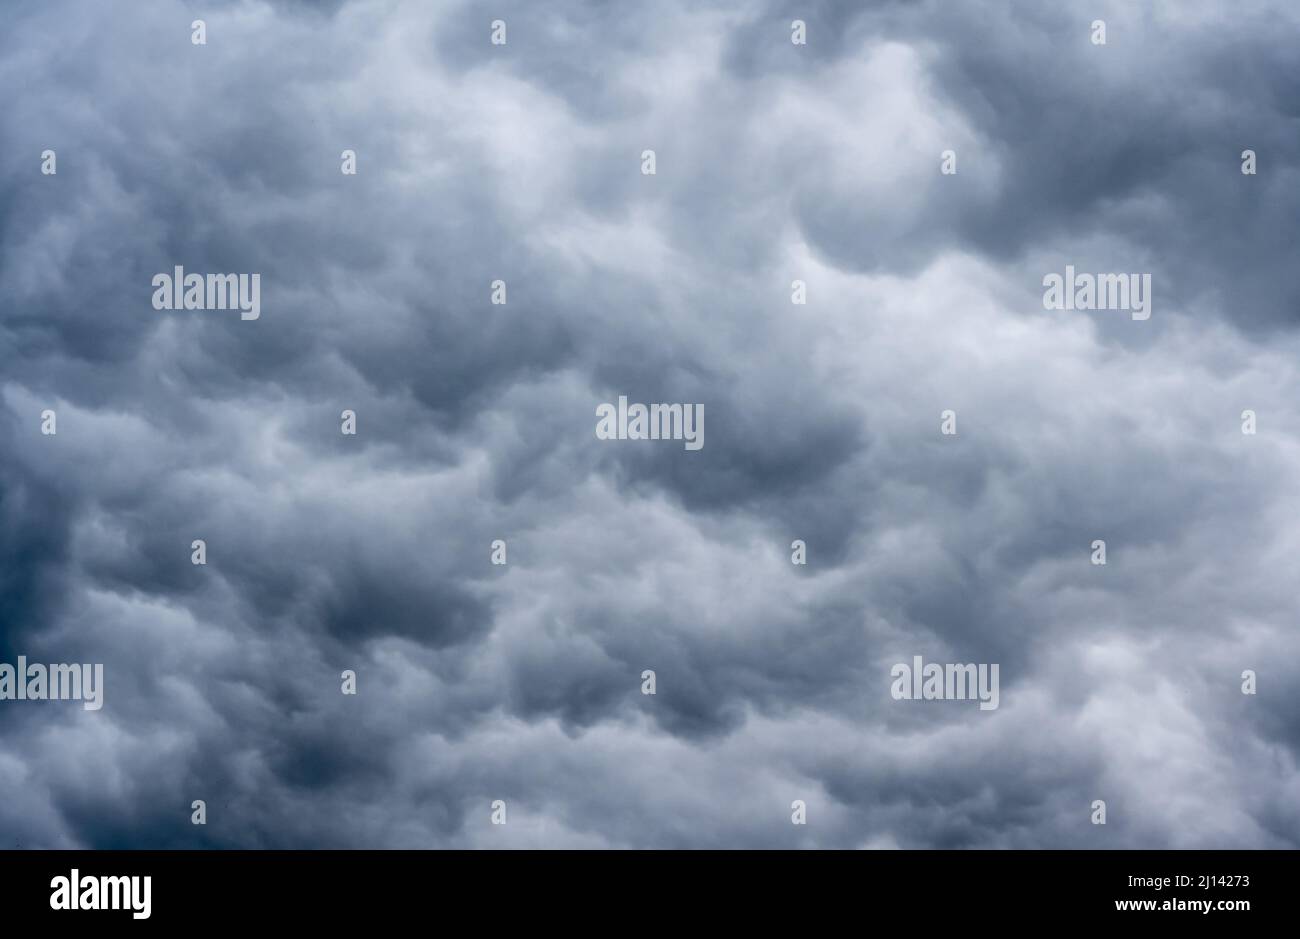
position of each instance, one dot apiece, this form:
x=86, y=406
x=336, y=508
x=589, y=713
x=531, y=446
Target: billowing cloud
x=775, y=162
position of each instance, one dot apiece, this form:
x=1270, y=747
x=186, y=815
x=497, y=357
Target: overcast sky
x=775, y=162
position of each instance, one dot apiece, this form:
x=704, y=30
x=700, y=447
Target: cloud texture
x=522, y=682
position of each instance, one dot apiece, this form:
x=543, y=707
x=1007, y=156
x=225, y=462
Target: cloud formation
x=522, y=682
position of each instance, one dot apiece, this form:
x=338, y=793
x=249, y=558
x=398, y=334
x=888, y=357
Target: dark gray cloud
x=476, y=422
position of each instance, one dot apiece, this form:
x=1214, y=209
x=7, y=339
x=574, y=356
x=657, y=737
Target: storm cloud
x=522, y=682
